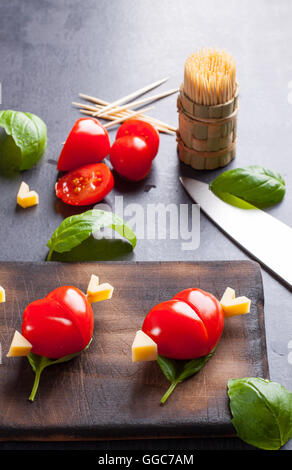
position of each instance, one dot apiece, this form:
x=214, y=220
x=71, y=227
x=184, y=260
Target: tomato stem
x=35, y=384
x=168, y=392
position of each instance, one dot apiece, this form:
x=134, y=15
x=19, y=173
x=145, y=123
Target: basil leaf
x=169, y=367
x=39, y=363
x=91, y=249
x=77, y=228
x=194, y=366
x=262, y=412
x=248, y=187
x=23, y=140
x=234, y=200
x=176, y=371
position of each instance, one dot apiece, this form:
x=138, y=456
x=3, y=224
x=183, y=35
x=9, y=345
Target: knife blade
x=263, y=236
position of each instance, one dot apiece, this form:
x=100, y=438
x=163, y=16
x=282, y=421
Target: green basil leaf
x=176, y=371
x=77, y=228
x=234, y=200
x=23, y=140
x=39, y=363
x=262, y=412
x=169, y=367
x=195, y=365
x=91, y=249
x=250, y=187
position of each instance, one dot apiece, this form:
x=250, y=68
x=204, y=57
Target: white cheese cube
x=228, y=295
x=25, y=197
x=97, y=293
x=143, y=348
x=19, y=346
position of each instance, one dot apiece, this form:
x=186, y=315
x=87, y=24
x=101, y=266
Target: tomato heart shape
x=88, y=142
x=59, y=324
x=186, y=327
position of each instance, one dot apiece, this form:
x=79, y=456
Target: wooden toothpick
x=131, y=96
x=124, y=118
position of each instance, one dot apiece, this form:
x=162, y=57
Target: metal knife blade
x=263, y=236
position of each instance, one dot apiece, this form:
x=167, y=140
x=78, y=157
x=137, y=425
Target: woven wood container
x=207, y=134
x=199, y=111
x=205, y=160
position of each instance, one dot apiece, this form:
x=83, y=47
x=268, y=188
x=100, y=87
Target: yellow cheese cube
x=228, y=295
x=25, y=197
x=237, y=306
x=99, y=292
x=2, y=295
x=143, y=348
x=19, y=346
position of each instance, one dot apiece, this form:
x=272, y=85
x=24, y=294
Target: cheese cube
x=93, y=283
x=237, y=306
x=228, y=295
x=19, y=346
x=143, y=348
x=2, y=295
x=97, y=293
x=25, y=197
x=23, y=190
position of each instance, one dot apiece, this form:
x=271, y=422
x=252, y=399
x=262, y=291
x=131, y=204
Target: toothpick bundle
x=207, y=106
x=210, y=77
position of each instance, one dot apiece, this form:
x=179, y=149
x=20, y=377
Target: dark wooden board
x=101, y=394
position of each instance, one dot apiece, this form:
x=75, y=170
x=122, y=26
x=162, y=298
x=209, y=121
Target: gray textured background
x=51, y=50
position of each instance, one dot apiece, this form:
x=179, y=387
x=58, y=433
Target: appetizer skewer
x=182, y=334
x=58, y=327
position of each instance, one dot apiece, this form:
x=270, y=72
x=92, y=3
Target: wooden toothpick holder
x=207, y=134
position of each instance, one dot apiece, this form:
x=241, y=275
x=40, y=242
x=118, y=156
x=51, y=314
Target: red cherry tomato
x=88, y=142
x=86, y=185
x=186, y=327
x=59, y=324
x=130, y=156
x=209, y=310
x=142, y=129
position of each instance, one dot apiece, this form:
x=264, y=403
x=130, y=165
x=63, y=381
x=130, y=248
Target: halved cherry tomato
x=130, y=156
x=88, y=142
x=143, y=129
x=209, y=310
x=186, y=327
x=86, y=185
x=59, y=324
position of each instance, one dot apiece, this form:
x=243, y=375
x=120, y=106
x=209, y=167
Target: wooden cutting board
x=101, y=394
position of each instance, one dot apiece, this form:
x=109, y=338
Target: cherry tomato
x=130, y=156
x=186, y=327
x=209, y=310
x=142, y=129
x=88, y=142
x=86, y=185
x=59, y=324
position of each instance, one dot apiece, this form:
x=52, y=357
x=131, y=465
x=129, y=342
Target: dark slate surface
x=51, y=50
